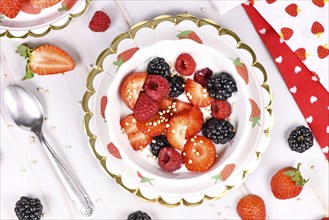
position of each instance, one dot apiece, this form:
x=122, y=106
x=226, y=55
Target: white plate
x=38, y=25
x=142, y=176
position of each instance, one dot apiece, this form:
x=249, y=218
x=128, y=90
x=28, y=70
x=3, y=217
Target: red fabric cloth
x=310, y=95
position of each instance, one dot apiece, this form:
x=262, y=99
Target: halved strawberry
x=197, y=95
x=180, y=106
x=176, y=130
x=165, y=102
x=44, y=3
x=10, y=8
x=139, y=140
x=45, y=59
x=195, y=122
x=129, y=124
x=131, y=87
x=155, y=126
x=29, y=9
x=199, y=154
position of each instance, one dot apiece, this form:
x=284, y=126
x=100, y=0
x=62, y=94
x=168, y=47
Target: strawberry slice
x=155, y=126
x=195, y=122
x=10, y=8
x=197, y=95
x=29, y=9
x=129, y=124
x=67, y=5
x=199, y=154
x=44, y=3
x=131, y=87
x=139, y=140
x=45, y=59
x=165, y=102
x=176, y=130
x=180, y=106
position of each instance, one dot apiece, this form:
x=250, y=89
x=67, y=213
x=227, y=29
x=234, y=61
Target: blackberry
x=28, y=208
x=177, y=85
x=158, y=66
x=221, y=86
x=219, y=131
x=157, y=143
x=139, y=215
x=300, y=139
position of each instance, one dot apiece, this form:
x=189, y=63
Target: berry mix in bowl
x=178, y=110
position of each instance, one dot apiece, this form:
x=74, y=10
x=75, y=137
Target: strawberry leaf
x=24, y=51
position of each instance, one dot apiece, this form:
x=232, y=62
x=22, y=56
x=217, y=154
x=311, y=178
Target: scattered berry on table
x=145, y=107
x=251, y=207
x=196, y=94
x=157, y=87
x=139, y=215
x=169, y=159
x=28, y=208
x=158, y=66
x=325, y=218
x=10, y=8
x=100, y=22
x=202, y=76
x=177, y=85
x=300, y=139
x=218, y=130
x=199, y=154
x=287, y=183
x=185, y=64
x=221, y=86
x=158, y=143
x=220, y=109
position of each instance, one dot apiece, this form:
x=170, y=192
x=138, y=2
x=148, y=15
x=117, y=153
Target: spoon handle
x=74, y=190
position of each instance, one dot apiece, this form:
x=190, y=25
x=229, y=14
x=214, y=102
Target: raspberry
x=100, y=22
x=156, y=87
x=202, y=76
x=145, y=108
x=169, y=159
x=220, y=109
x=185, y=64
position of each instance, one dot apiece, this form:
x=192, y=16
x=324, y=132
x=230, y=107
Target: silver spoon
x=27, y=113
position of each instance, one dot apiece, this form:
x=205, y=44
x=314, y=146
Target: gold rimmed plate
x=41, y=23
x=232, y=171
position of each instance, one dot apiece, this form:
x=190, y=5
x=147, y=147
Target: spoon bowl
x=27, y=112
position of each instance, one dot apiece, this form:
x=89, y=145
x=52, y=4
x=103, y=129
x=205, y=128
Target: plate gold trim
x=90, y=91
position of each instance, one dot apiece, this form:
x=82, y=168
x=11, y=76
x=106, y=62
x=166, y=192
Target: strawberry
x=301, y=53
x=131, y=88
x=323, y=51
x=251, y=207
x=319, y=3
x=185, y=64
x=287, y=183
x=196, y=94
x=67, y=5
x=195, y=122
x=124, y=56
x=129, y=124
x=241, y=69
x=286, y=33
x=114, y=150
x=199, y=154
x=45, y=59
x=29, y=9
x=180, y=106
x=176, y=130
x=255, y=113
x=103, y=105
x=189, y=34
x=44, y=3
x=155, y=126
x=165, y=102
x=225, y=173
x=292, y=10
x=10, y=8
x=220, y=109
x=317, y=29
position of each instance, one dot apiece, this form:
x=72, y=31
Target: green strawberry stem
x=216, y=178
x=296, y=176
x=255, y=121
x=147, y=180
x=118, y=63
x=184, y=33
x=237, y=62
x=25, y=52
x=62, y=9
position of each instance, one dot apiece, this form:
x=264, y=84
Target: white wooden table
x=25, y=169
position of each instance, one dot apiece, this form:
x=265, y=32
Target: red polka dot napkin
x=310, y=95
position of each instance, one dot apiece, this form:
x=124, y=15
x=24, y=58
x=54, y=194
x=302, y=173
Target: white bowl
x=204, y=56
